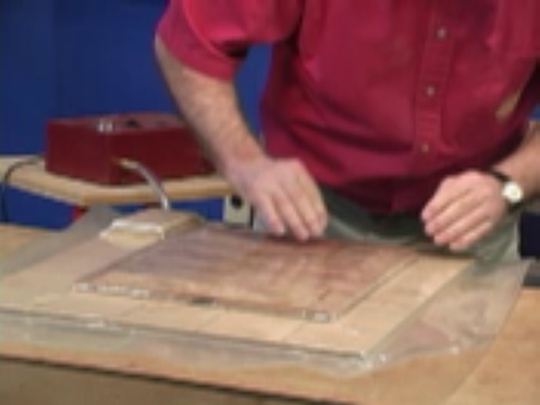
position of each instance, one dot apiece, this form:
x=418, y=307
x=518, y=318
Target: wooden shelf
x=35, y=179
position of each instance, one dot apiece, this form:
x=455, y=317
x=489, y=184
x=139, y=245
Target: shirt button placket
x=433, y=76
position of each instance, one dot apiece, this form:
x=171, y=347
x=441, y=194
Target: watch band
x=502, y=177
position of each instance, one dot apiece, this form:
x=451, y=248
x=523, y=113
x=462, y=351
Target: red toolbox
x=89, y=148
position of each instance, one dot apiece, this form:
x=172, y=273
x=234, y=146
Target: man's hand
x=283, y=193
x=464, y=209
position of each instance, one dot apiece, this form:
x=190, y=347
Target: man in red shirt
x=374, y=111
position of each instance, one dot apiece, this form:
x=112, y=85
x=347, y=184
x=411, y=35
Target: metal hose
x=152, y=180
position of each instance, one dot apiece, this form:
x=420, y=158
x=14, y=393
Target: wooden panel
x=57, y=274
x=241, y=269
x=367, y=324
x=12, y=238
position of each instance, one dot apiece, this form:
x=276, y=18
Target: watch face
x=512, y=192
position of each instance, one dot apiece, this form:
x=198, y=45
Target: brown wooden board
x=213, y=264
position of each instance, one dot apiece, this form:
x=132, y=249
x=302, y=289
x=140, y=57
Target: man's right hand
x=281, y=190
x=283, y=193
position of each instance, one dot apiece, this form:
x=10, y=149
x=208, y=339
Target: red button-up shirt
x=379, y=98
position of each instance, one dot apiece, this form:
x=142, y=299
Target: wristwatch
x=511, y=190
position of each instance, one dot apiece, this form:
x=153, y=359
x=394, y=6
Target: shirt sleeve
x=213, y=36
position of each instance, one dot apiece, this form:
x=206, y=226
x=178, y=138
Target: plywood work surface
x=12, y=238
x=46, y=289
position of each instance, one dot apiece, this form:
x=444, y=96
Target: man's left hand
x=464, y=208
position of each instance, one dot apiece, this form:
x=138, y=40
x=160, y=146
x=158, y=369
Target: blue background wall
x=74, y=57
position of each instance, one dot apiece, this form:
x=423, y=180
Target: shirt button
x=441, y=33
x=424, y=148
x=430, y=91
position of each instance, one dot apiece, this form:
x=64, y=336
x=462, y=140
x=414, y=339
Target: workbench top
x=505, y=373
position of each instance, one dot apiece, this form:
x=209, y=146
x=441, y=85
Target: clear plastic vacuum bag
x=421, y=313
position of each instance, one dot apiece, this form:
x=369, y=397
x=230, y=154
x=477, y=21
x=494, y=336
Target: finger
x=307, y=201
x=452, y=213
x=450, y=191
x=471, y=237
x=463, y=226
x=263, y=204
x=318, y=217
x=290, y=206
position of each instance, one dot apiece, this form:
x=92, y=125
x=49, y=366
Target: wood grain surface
x=237, y=268
x=14, y=237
